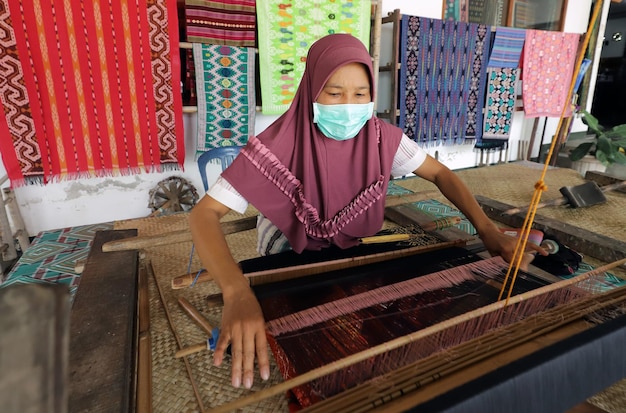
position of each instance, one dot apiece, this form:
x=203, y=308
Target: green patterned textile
x=287, y=30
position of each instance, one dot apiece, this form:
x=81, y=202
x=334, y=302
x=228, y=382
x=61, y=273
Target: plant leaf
x=604, y=145
x=591, y=121
x=618, y=131
x=603, y=157
x=620, y=158
x=580, y=151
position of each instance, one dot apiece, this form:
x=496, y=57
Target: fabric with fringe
x=90, y=91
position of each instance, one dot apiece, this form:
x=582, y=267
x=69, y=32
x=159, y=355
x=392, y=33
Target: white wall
x=90, y=201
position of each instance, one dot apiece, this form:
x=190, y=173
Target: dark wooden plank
x=103, y=328
x=585, y=242
x=34, y=337
x=603, y=179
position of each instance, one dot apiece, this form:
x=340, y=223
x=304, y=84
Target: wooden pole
x=196, y=316
x=18, y=223
x=280, y=274
x=6, y=234
x=144, y=367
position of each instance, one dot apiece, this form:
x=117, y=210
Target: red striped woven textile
x=227, y=22
x=93, y=88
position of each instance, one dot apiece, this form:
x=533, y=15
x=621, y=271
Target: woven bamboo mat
x=514, y=184
x=172, y=387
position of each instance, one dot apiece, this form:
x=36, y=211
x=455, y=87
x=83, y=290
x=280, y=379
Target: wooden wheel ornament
x=174, y=194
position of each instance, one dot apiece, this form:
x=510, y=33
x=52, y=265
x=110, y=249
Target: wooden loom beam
x=103, y=316
x=286, y=273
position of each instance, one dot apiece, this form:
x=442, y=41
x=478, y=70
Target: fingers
x=237, y=362
x=248, y=362
x=244, y=349
x=526, y=260
x=220, y=348
x=263, y=359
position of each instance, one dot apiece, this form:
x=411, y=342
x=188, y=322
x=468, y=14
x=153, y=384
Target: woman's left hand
x=504, y=245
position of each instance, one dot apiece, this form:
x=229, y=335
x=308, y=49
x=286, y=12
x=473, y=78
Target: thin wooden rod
x=296, y=271
x=402, y=341
x=177, y=337
x=141, y=242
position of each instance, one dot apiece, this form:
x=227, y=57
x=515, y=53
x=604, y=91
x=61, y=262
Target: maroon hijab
x=317, y=190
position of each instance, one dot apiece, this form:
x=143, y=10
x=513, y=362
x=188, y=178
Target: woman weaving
x=318, y=176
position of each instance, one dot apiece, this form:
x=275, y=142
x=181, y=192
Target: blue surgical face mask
x=342, y=122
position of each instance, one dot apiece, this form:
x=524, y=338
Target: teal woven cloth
x=287, y=30
x=225, y=84
x=53, y=255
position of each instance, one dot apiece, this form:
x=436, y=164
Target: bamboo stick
x=186, y=351
x=196, y=316
x=168, y=315
x=401, y=341
x=280, y=274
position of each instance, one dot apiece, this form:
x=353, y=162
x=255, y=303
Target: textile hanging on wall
x=476, y=90
x=91, y=90
x=287, y=30
x=456, y=10
x=226, y=98
x=502, y=75
x=500, y=103
x=442, y=79
x=548, y=66
x=221, y=22
x=507, y=47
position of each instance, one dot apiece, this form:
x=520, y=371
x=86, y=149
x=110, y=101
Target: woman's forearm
x=210, y=244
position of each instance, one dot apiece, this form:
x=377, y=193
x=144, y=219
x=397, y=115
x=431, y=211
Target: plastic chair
x=225, y=154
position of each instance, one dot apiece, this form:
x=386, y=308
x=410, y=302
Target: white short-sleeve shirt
x=409, y=157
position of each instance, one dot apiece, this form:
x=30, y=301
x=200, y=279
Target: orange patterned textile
x=91, y=88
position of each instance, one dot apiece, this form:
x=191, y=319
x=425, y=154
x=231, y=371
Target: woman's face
x=349, y=84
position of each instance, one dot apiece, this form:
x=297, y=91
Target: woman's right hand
x=243, y=326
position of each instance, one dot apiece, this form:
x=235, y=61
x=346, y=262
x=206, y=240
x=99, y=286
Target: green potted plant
x=608, y=145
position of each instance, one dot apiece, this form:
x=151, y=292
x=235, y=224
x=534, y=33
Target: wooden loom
x=443, y=382
x=552, y=312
